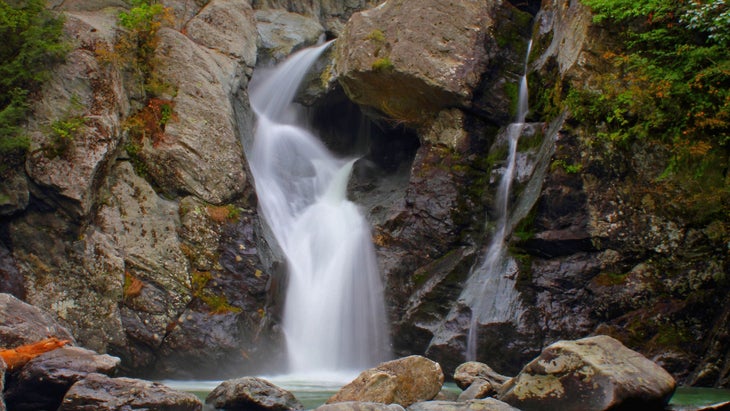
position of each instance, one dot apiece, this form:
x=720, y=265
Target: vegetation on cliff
x=669, y=89
x=31, y=45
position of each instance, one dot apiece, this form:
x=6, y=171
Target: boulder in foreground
x=251, y=393
x=359, y=406
x=98, y=392
x=403, y=381
x=595, y=373
x=487, y=404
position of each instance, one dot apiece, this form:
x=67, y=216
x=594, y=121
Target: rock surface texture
x=404, y=381
x=594, y=373
x=102, y=393
x=252, y=393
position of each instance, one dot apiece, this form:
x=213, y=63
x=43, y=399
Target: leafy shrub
x=670, y=86
x=31, y=44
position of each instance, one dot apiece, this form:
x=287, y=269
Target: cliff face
x=153, y=249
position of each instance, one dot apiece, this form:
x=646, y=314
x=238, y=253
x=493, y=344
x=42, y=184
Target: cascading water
x=334, y=314
x=496, y=299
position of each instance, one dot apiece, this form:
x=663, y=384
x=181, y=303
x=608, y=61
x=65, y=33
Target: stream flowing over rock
x=152, y=249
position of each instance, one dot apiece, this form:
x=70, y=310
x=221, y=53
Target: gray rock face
x=98, y=392
x=42, y=382
x=403, y=381
x=487, y=404
x=332, y=14
x=283, y=33
x=595, y=373
x=14, y=194
x=199, y=153
x=22, y=323
x=252, y=393
x=70, y=170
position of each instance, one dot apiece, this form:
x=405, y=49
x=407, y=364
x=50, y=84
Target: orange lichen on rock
x=19, y=356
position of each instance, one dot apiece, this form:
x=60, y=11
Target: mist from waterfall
x=490, y=290
x=334, y=314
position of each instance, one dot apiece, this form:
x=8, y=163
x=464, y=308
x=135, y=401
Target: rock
x=200, y=152
x=228, y=27
x=478, y=389
x=69, y=171
x=2, y=385
x=22, y=323
x=97, y=392
x=14, y=194
x=359, y=406
x=156, y=282
x=332, y=14
x=283, y=33
x=252, y=393
x=486, y=404
x=387, y=60
x=723, y=406
x=403, y=381
x=10, y=280
x=469, y=372
x=594, y=373
x=42, y=382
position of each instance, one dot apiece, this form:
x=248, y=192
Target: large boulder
x=97, y=392
x=44, y=380
x=252, y=393
x=403, y=381
x=594, y=373
x=409, y=60
x=487, y=404
x=3, y=367
x=22, y=323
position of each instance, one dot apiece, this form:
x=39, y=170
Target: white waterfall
x=490, y=290
x=334, y=315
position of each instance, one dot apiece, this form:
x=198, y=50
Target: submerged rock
x=249, y=393
x=403, y=381
x=98, y=392
x=594, y=373
x=487, y=404
x=359, y=406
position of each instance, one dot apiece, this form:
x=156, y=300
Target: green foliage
x=669, y=87
x=376, y=35
x=31, y=44
x=382, y=64
x=63, y=132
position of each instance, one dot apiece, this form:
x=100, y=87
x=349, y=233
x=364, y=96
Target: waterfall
x=334, y=313
x=490, y=291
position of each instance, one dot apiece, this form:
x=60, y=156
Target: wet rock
x=97, y=392
x=22, y=323
x=283, y=33
x=42, y=382
x=359, y=406
x=387, y=61
x=724, y=406
x=332, y=14
x=252, y=393
x=595, y=373
x=487, y=404
x=403, y=381
x=469, y=372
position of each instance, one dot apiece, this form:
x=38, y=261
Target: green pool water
x=314, y=393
